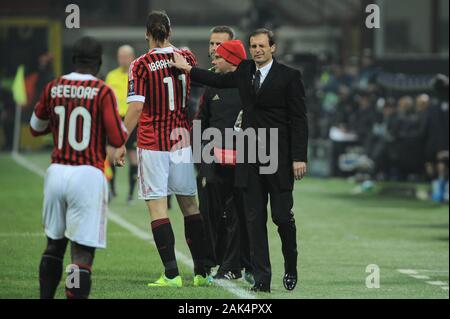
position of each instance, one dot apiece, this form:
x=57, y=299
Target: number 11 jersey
x=164, y=91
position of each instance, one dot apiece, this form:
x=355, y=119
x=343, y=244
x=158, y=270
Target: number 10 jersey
x=81, y=113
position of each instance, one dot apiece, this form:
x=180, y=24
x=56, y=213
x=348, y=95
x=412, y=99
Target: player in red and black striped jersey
x=157, y=97
x=81, y=113
x=164, y=92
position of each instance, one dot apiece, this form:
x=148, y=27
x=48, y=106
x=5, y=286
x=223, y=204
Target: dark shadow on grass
x=432, y=226
x=441, y=238
x=435, y=227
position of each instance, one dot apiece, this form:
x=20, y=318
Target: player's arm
x=115, y=129
x=40, y=120
x=130, y=122
x=137, y=90
x=132, y=116
x=227, y=80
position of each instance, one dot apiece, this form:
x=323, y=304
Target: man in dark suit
x=273, y=96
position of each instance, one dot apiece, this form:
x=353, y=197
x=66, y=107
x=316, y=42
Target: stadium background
x=356, y=208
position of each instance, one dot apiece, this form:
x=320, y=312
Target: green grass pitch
x=339, y=234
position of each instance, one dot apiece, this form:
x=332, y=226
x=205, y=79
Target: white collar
x=75, y=76
x=265, y=70
x=162, y=50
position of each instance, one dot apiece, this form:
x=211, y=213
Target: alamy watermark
x=373, y=280
x=373, y=19
x=73, y=17
x=249, y=146
x=73, y=276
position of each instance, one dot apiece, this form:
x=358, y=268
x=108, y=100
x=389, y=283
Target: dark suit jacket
x=219, y=109
x=280, y=103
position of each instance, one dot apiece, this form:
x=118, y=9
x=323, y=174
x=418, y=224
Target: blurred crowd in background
x=383, y=127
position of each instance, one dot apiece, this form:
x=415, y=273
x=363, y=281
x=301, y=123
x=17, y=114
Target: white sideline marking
x=27, y=164
x=414, y=273
x=420, y=277
x=437, y=283
x=408, y=271
x=230, y=287
x=41, y=234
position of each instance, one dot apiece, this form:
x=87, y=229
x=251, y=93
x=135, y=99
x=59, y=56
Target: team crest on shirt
x=131, y=87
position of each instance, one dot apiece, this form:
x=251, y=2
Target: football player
x=80, y=111
x=157, y=97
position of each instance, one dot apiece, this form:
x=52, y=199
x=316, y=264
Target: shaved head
x=125, y=55
x=126, y=49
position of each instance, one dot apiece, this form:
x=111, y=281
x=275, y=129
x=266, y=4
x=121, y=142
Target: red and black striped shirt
x=81, y=113
x=164, y=92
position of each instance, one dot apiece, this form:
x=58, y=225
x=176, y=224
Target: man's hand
x=299, y=169
x=180, y=62
x=110, y=151
x=119, y=156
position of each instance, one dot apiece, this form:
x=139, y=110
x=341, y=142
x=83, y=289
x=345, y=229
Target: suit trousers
x=256, y=196
x=222, y=208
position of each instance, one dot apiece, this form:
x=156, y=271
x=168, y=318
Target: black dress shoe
x=290, y=281
x=260, y=288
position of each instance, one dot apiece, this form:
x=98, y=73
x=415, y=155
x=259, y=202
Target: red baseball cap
x=232, y=51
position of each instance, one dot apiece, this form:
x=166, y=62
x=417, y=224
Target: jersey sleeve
x=115, y=129
x=190, y=57
x=137, y=82
x=40, y=119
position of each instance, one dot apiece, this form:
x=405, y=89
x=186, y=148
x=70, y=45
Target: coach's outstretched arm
x=227, y=80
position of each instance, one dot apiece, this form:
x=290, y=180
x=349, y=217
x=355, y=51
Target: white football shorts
x=75, y=204
x=163, y=173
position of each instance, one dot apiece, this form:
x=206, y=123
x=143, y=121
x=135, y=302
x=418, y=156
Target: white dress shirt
x=264, y=71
